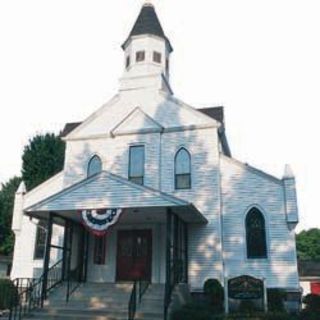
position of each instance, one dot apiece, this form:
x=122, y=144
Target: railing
x=73, y=281
x=133, y=302
x=175, y=276
x=138, y=290
x=143, y=287
x=29, y=293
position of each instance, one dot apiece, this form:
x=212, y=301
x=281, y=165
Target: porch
x=148, y=243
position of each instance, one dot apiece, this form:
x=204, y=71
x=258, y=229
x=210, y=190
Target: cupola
x=147, y=49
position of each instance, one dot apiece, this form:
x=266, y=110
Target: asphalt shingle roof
x=148, y=23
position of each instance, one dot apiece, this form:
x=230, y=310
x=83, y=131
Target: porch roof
x=107, y=190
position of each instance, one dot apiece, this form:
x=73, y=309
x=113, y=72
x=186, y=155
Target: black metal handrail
x=138, y=290
x=175, y=276
x=143, y=287
x=73, y=281
x=29, y=293
x=133, y=302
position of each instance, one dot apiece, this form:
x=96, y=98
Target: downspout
x=221, y=233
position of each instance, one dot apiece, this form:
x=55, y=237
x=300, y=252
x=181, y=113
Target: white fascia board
x=196, y=112
x=253, y=170
x=175, y=201
x=92, y=117
x=158, y=127
x=170, y=129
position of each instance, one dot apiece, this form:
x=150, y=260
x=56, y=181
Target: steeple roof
x=148, y=23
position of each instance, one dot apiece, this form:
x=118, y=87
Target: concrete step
x=92, y=301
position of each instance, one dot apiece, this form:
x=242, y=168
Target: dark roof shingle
x=148, y=23
x=68, y=128
x=215, y=113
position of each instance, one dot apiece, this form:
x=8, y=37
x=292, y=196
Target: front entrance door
x=134, y=255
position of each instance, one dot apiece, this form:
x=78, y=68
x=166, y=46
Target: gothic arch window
x=256, y=235
x=182, y=169
x=94, y=166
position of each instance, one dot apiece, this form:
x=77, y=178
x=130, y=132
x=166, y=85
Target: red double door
x=134, y=255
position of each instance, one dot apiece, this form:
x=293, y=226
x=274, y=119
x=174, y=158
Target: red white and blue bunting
x=99, y=221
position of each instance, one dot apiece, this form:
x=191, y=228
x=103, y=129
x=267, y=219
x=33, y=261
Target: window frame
x=130, y=177
x=128, y=61
x=99, y=252
x=95, y=156
x=155, y=55
x=177, y=175
x=41, y=227
x=249, y=255
x=142, y=57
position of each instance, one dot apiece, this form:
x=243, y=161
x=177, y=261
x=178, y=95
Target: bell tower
x=146, y=51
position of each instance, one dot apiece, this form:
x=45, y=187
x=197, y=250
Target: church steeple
x=148, y=23
x=147, y=49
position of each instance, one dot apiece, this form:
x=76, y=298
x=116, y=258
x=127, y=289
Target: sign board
x=245, y=288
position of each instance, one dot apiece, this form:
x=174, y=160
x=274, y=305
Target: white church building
x=150, y=191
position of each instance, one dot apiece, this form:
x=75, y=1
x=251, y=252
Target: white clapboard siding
x=106, y=190
x=242, y=188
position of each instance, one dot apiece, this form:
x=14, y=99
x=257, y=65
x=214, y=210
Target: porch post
x=186, y=255
x=65, y=249
x=46, y=258
x=168, y=262
x=86, y=253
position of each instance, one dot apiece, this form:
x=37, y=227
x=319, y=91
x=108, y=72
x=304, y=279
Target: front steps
x=92, y=301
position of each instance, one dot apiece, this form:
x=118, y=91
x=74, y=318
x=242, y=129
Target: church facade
x=150, y=188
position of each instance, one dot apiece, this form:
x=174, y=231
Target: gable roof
x=215, y=113
x=148, y=23
x=70, y=126
x=136, y=121
x=107, y=190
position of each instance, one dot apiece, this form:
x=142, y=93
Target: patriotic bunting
x=98, y=221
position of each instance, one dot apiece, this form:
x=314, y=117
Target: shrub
x=279, y=316
x=312, y=302
x=215, y=293
x=276, y=300
x=247, y=306
x=309, y=315
x=8, y=294
x=192, y=311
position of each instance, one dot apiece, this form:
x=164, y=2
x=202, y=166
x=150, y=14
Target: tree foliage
x=7, y=194
x=42, y=158
x=308, y=244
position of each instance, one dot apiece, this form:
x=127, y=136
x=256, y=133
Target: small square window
x=156, y=57
x=128, y=62
x=140, y=56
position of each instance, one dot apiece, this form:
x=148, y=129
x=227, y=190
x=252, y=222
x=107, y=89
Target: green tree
x=7, y=194
x=308, y=244
x=42, y=158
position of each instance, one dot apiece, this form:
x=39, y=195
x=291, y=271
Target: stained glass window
x=183, y=169
x=94, y=166
x=256, y=235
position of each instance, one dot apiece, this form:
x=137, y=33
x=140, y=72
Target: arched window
x=256, y=235
x=182, y=167
x=94, y=166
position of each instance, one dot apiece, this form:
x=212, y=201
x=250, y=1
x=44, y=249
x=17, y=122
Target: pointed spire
x=148, y=23
x=22, y=188
x=288, y=172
